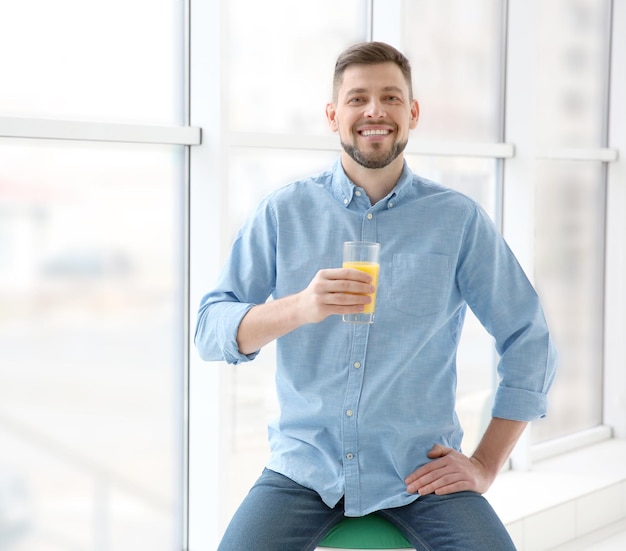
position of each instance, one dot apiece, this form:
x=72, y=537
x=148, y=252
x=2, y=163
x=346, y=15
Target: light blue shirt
x=361, y=405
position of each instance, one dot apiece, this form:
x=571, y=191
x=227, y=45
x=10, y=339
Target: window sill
x=564, y=497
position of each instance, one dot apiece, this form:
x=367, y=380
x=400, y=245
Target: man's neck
x=377, y=182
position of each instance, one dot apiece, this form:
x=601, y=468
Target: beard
x=375, y=159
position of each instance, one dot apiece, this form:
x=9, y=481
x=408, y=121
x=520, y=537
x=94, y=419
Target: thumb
x=438, y=451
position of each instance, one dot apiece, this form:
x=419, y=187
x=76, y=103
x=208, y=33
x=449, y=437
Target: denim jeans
x=280, y=515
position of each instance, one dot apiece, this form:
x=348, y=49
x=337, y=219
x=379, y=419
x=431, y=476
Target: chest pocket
x=420, y=283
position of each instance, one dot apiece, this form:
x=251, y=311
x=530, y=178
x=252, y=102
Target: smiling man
x=367, y=418
x=373, y=111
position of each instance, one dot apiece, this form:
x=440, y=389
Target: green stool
x=368, y=532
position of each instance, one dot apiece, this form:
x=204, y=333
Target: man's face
x=373, y=113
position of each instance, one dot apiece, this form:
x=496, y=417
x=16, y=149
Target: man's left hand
x=449, y=472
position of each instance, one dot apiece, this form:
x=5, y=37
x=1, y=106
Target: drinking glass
x=363, y=255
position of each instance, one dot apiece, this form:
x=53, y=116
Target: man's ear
x=415, y=114
x=331, y=116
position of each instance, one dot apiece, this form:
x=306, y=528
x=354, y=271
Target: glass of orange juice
x=363, y=255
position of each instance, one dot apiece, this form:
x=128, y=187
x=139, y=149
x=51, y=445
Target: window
x=280, y=82
x=569, y=261
x=571, y=103
x=455, y=48
x=91, y=279
x=77, y=60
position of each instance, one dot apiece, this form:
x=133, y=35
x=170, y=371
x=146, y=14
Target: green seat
x=368, y=532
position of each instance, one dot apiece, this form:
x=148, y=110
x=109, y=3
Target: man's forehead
x=383, y=77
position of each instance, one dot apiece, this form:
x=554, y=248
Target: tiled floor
x=611, y=538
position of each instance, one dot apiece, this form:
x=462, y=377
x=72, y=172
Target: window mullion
x=615, y=268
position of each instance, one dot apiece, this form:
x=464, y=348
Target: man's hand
x=331, y=291
x=335, y=291
x=449, y=472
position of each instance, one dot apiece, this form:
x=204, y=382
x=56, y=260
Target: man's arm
x=331, y=291
x=451, y=471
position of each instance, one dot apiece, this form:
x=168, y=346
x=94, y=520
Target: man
x=367, y=420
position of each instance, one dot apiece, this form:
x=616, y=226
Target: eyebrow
x=395, y=89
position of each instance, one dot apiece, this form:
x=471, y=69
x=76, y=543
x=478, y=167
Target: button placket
x=350, y=414
x=368, y=227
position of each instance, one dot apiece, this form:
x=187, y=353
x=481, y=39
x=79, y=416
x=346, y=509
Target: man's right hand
x=335, y=291
x=331, y=291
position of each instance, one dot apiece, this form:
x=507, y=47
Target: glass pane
x=572, y=72
x=90, y=360
x=569, y=267
x=111, y=60
x=455, y=50
x=253, y=173
x=473, y=176
x=282, y=82
x=476, y=357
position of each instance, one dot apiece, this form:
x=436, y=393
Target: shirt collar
x=344, y=188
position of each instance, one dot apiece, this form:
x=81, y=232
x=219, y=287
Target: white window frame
x=615, y=240
x=206, y=236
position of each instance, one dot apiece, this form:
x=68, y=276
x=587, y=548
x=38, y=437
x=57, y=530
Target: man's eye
x=355, y=100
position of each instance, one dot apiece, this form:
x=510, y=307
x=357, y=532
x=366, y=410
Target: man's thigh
x=460, y=521
x=279, y=515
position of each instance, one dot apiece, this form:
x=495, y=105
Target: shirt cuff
x=229, y=334
x=519, y=404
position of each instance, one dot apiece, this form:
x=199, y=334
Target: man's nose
x=375, y=109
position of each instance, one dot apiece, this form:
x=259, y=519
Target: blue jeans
x=280, y=515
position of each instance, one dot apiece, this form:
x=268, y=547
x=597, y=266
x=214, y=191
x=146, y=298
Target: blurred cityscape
x=90, y=361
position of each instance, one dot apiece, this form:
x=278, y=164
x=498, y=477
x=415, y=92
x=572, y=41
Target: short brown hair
x=369, y=53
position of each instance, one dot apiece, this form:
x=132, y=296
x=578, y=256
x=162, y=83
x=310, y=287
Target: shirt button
x=349, y=413
x=345, y=201
x=349, y=456
x=370, y=216
x=390, y=204
x=357, y=364
x=357, y=193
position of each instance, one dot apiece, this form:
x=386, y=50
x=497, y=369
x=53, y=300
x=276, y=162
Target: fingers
x=440, y=483
x=335, y=291
x=435, y=452
x=449, y=472
x=352, y=274
x=343, y=287
x=345, y=275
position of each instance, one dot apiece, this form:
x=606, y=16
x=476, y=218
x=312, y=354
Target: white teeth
x=374, y=132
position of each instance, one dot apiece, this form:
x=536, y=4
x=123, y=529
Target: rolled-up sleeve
x=247, y=278
x=216, y=330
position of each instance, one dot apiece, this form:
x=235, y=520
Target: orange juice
x=372, y=269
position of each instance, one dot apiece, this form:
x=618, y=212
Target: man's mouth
x=374, y=132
